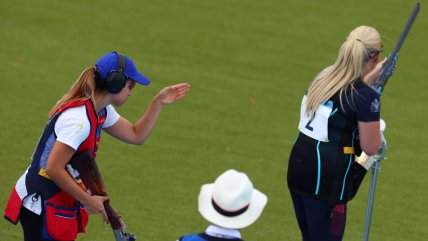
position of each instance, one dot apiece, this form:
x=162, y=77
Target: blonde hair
x=358, y=49
x=82, y=89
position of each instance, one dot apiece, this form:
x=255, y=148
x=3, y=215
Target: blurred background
x=249, y=63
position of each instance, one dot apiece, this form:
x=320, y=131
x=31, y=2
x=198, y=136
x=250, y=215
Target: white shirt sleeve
x=73, y=127
x=112, y=117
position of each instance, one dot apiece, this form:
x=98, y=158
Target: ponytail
x=82, y=89
x=353, y=56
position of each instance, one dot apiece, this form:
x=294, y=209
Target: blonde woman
x=46, y=199
x=340, y=116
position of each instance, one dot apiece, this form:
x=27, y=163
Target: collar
x=220, y=232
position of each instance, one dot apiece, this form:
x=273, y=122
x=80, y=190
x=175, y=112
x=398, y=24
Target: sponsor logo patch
x=79, y=128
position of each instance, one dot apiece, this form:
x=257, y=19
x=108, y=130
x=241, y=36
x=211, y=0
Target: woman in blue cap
x=46, y=199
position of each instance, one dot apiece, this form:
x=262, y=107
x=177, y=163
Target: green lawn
x=248, y=62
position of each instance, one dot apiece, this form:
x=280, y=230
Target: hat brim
x=139, y=78
x=205, y=207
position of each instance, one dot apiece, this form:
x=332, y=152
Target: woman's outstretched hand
x=171, y=94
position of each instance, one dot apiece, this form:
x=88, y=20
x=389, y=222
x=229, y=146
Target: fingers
x=175, y=92
x=384, y=60
x=382, y=63
x=181, y=89
x=104, y=198
x=181, y=86
x=181, y=93
x=105, y=216
x=177, y=97
x=102, y=209
x=96, y=205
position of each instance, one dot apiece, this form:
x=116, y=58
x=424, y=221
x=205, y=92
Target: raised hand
x=172, y=93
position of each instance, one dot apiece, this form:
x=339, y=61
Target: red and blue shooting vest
x=64, y=216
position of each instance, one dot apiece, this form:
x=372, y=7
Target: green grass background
x=232, y=52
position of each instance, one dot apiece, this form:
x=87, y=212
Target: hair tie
x=359, y=40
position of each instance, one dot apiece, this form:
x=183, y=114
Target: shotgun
x=85, y=164
x=379, y=86
x=389, y=66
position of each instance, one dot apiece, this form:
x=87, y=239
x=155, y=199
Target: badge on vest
x=316, y=128
x=42, y=172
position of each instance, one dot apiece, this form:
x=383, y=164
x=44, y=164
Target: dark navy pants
x=32, y=224
x=319, y=221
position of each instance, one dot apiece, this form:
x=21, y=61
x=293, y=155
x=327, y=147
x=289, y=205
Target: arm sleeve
x=72, y=127
x=112, y=116
x=367, y=105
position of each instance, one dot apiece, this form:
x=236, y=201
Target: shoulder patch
x=375, y=106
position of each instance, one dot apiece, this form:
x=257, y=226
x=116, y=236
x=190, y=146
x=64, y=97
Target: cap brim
x=139, y=78
x=257, y=204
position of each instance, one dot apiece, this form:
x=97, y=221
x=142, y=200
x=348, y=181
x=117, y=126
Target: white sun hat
x=231, y=201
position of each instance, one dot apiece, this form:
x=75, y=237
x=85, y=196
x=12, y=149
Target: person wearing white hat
x=229, y=204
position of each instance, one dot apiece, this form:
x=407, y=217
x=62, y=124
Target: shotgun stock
x=91, y=177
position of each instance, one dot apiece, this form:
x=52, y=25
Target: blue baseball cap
x=108, y=64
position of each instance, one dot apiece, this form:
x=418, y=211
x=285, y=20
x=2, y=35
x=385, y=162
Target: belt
x=346, y=149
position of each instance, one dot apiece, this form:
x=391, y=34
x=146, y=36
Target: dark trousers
x=32, y=224
x=319, y=221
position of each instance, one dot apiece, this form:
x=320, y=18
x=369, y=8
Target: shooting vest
x=205, y=237
x=326, y=170
x=64, y=216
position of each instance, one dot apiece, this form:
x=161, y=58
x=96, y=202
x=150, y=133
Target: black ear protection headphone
x=116, y=79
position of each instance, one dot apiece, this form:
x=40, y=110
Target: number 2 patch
x=317, y=127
